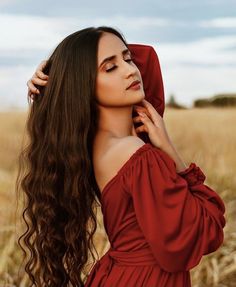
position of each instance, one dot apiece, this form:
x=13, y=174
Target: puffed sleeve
x=181, y=218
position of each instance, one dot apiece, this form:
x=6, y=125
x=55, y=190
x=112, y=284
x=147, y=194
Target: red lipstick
x=135, y=85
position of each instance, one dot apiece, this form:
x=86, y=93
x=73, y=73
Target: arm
x=172, y=152
x=181, y=218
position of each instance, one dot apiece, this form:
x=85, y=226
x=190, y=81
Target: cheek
x=103, y=88
x=107, y=89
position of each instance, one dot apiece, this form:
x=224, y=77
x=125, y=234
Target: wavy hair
x=55, y=167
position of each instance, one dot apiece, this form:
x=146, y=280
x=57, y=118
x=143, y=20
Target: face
x=116, y=72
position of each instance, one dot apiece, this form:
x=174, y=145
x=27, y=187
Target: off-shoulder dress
x=159, y=223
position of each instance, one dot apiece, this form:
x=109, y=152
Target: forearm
x=172, y=152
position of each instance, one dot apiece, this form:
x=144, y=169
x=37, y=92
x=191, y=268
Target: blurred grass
x=204, y=136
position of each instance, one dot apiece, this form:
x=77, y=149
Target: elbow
x=216, y=243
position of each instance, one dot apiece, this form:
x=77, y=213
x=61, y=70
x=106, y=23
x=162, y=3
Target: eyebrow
x=126, y=51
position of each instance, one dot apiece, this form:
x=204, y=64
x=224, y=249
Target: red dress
x=159, y=223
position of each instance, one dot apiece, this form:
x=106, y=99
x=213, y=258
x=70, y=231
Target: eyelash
x=113, y=68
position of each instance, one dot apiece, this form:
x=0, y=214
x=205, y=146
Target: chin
x=140, y=97
x=136, y=98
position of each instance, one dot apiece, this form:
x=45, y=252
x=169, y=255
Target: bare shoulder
x=125, y=147
x=122, y=150
x=116, y=156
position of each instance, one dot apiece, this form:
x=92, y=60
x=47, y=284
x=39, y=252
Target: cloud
x=198, y=69
x=191, y=82
x=25, y=34
x=202, y=66
x=4, y=3
x=226, y=22
x=207, y=51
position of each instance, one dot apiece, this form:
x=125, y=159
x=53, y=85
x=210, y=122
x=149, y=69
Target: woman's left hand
x=153, y=124
x=138, y=108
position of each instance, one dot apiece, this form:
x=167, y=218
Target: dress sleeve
x=181, y=218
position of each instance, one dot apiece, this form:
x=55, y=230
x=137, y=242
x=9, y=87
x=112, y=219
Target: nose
x=129, y=69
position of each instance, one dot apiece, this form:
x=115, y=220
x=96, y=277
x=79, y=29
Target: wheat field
x=204, y=136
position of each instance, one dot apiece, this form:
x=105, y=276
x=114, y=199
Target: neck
x=116, y=122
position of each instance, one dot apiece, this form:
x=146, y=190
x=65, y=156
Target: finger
x=142, y=109
x=41, y=75
x=32, y=88
x=146, y=121
x=141, y=129
x=42, y=65
x=153, y=113
x=136, y=119
x=31, y=95
x=149, y=106
x=138, y=107
x=38, y=81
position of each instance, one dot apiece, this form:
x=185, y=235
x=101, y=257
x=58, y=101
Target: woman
x=159, y=216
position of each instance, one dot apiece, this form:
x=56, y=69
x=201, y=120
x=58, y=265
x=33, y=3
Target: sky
x=195, y=41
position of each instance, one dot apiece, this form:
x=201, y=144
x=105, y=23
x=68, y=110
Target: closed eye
x=114, y=67
x=111, y=69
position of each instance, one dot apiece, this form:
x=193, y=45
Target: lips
x=133, y=84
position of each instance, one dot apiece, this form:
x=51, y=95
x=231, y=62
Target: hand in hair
x=38, y=78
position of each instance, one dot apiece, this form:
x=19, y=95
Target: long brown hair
x=55, y=168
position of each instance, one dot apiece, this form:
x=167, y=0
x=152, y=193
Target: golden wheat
x=204, y=136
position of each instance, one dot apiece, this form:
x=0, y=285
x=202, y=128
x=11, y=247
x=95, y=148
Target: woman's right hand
x=38, y=78
x=153, y=124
